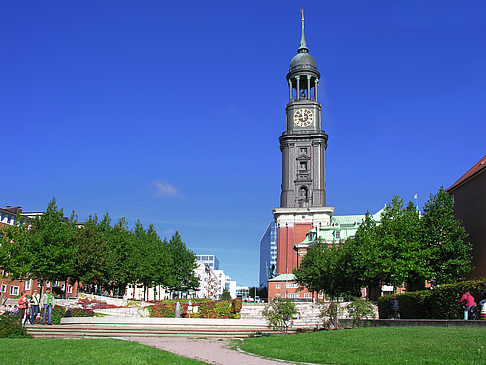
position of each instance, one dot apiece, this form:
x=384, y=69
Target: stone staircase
x=252, y=323
x=93, y=327
x=308, y=314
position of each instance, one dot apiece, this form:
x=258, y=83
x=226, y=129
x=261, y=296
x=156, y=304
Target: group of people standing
x=29, y=308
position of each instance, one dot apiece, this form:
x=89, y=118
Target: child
x=469, y=302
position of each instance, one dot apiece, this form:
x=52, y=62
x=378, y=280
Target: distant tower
x=303, y=146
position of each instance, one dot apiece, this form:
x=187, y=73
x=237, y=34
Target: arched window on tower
x=303, y=196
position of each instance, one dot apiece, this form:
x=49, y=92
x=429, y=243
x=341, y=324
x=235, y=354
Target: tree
x=90, y=251
x=225, y=295
x=120, y=247
x=15, y=257
x=50, y=242
x=182, y=276
x=326, y=268
x=447, y=249
x=391, y=252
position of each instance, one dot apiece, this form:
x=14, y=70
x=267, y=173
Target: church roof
x=345, y=225
x=302, y=60
x=476, y=169
x=283, y=277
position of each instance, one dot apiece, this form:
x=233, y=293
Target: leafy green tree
x=90, y=251
x=226, y=295
x=15, y=257
x=325, y=268
x=391, y=252
x=447, y=250
x=50, y=242
x=182, y=276
x=120, y=267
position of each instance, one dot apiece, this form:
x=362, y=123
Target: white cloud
x=164, y=188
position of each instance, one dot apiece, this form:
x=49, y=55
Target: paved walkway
x=212, y=351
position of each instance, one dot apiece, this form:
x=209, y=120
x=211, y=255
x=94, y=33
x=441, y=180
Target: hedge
x=11, y=327
x=437, y=303
x=206, y=309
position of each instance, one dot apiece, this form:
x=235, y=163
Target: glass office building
x=268, y=254
x=211, y=260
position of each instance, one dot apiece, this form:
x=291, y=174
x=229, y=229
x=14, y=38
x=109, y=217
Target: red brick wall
x=283, y=291
x=287, y=259
x=21, y=284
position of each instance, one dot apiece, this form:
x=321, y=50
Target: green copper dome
x=302, y=60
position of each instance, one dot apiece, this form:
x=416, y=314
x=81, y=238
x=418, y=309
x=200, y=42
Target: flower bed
x=93, y=303
x=206, y=309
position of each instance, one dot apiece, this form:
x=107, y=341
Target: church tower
x=303, y=145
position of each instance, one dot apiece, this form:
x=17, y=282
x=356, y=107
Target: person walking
x=469, y=302
x=34, y=306
x=22, y=302
x=47, y=303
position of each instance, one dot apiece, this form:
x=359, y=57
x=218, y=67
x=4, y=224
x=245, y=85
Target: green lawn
x=83, y=351
x=379, y=345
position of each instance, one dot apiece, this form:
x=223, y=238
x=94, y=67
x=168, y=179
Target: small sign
x=190, y=302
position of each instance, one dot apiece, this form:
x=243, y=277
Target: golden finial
x=303, y=47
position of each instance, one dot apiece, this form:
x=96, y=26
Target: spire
x=303, y=47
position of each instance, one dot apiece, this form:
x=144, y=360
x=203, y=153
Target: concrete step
x=71, y=331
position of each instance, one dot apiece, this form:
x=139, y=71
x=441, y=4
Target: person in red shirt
x=469, y=302
x=23, y=302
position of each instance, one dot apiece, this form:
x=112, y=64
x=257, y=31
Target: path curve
x=212, y=351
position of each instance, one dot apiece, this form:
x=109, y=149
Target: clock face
x=303, y=117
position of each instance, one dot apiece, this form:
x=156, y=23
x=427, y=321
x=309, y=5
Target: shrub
x=360, y=309
x=58, y=312
x=329, y=314
x=279, y=312
x=11, y=327
x=437, y=303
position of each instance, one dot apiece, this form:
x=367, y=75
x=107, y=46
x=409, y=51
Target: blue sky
x=170, y=112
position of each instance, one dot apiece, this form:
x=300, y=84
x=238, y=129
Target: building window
x=277, y=286
x=14, y=290
x=48, y=284
x=4, y=288
x=292, y=285
x=306, y=295
x=28, y=284
x=70, y=289
x=39, y=284
x=303, y=150
x=292, y=295
x=303, y=193
x=303, y=165
x=277, y=295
